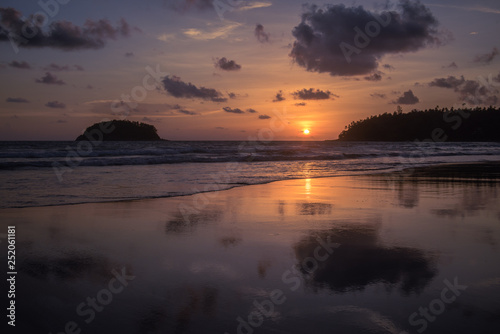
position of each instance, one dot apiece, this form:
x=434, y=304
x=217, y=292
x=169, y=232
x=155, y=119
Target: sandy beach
x=386, y=253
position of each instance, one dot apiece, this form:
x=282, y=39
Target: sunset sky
x=224, y=72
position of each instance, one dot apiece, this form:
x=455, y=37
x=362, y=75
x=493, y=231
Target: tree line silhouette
x=438, y=124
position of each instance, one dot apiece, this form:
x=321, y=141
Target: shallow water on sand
x=363, y=254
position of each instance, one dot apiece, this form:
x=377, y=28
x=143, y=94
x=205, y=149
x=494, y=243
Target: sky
x=227, y=69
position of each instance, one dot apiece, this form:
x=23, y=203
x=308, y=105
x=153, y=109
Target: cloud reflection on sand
x=362, y=260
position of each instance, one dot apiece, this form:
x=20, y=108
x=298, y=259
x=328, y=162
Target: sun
x=306, y=131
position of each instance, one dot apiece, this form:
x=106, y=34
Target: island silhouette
x=120, y=130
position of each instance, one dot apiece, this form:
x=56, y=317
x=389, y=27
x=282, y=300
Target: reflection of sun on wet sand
x=400, y=236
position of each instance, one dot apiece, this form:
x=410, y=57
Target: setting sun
x=306, y=131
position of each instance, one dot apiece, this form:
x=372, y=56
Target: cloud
x=187, y=112
x=374, y=77
x=166, y=37
x=475, y=92
x=234, y=111
x=310, y=94
x=151, y=120
x=252, y=111
x=180, y=89
x=452, y=65
x=301, y=104
x=50, y=79
x=16, y=100
x=221, y=32
x=55, y=104
x=473, y=9
x=185, y=5
x=129, y=54
x=486, y=58
x=279, y=97
x=407, y=98
x=261, y=35
x=378, y=95
x=62, y=35
x=56, y=68
x=334, y=40
x=450, y=82
x=264, y=117
x=205, y=5
x=388, y=67
x=22, y=65
x=247, y=5
x=226, y=65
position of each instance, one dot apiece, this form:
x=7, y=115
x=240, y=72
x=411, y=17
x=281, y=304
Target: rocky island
x=120, y=130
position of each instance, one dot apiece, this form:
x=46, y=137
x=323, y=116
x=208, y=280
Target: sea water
x=56, y=173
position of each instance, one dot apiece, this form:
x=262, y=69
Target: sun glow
x=306, y=131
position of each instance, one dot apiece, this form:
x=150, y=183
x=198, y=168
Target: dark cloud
x=311, y=94
x=252, y=111
x=89, y=87
x=374, y=77
x=129, y=54
x=55, y=104
x=264, y=117
x=234, y=111
x=279, y=97
x=452, y=65
x=486, y=58
x=301, y=104
x=450, y=82
x=180, y=89
x=407, y=98
x=187, y=112
x=475, y=92
x=378, y=95
x=261, y=35
x=388, y=67
x=50, y=79
x=334, y=39
x=22, y=64
x=64, y=35
x=56, y=68
x=16, y=100
x=226, y=65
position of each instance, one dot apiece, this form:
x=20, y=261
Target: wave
x=135, y=160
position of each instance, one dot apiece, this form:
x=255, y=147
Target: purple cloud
x=50, y=79
x=55, y=104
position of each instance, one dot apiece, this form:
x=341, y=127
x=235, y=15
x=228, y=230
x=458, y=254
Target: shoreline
x=468, y=170
x=472, y=171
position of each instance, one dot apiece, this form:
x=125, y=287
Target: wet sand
x=391, y=253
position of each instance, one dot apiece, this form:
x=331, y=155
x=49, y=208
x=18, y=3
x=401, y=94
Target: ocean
x=58, y=172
